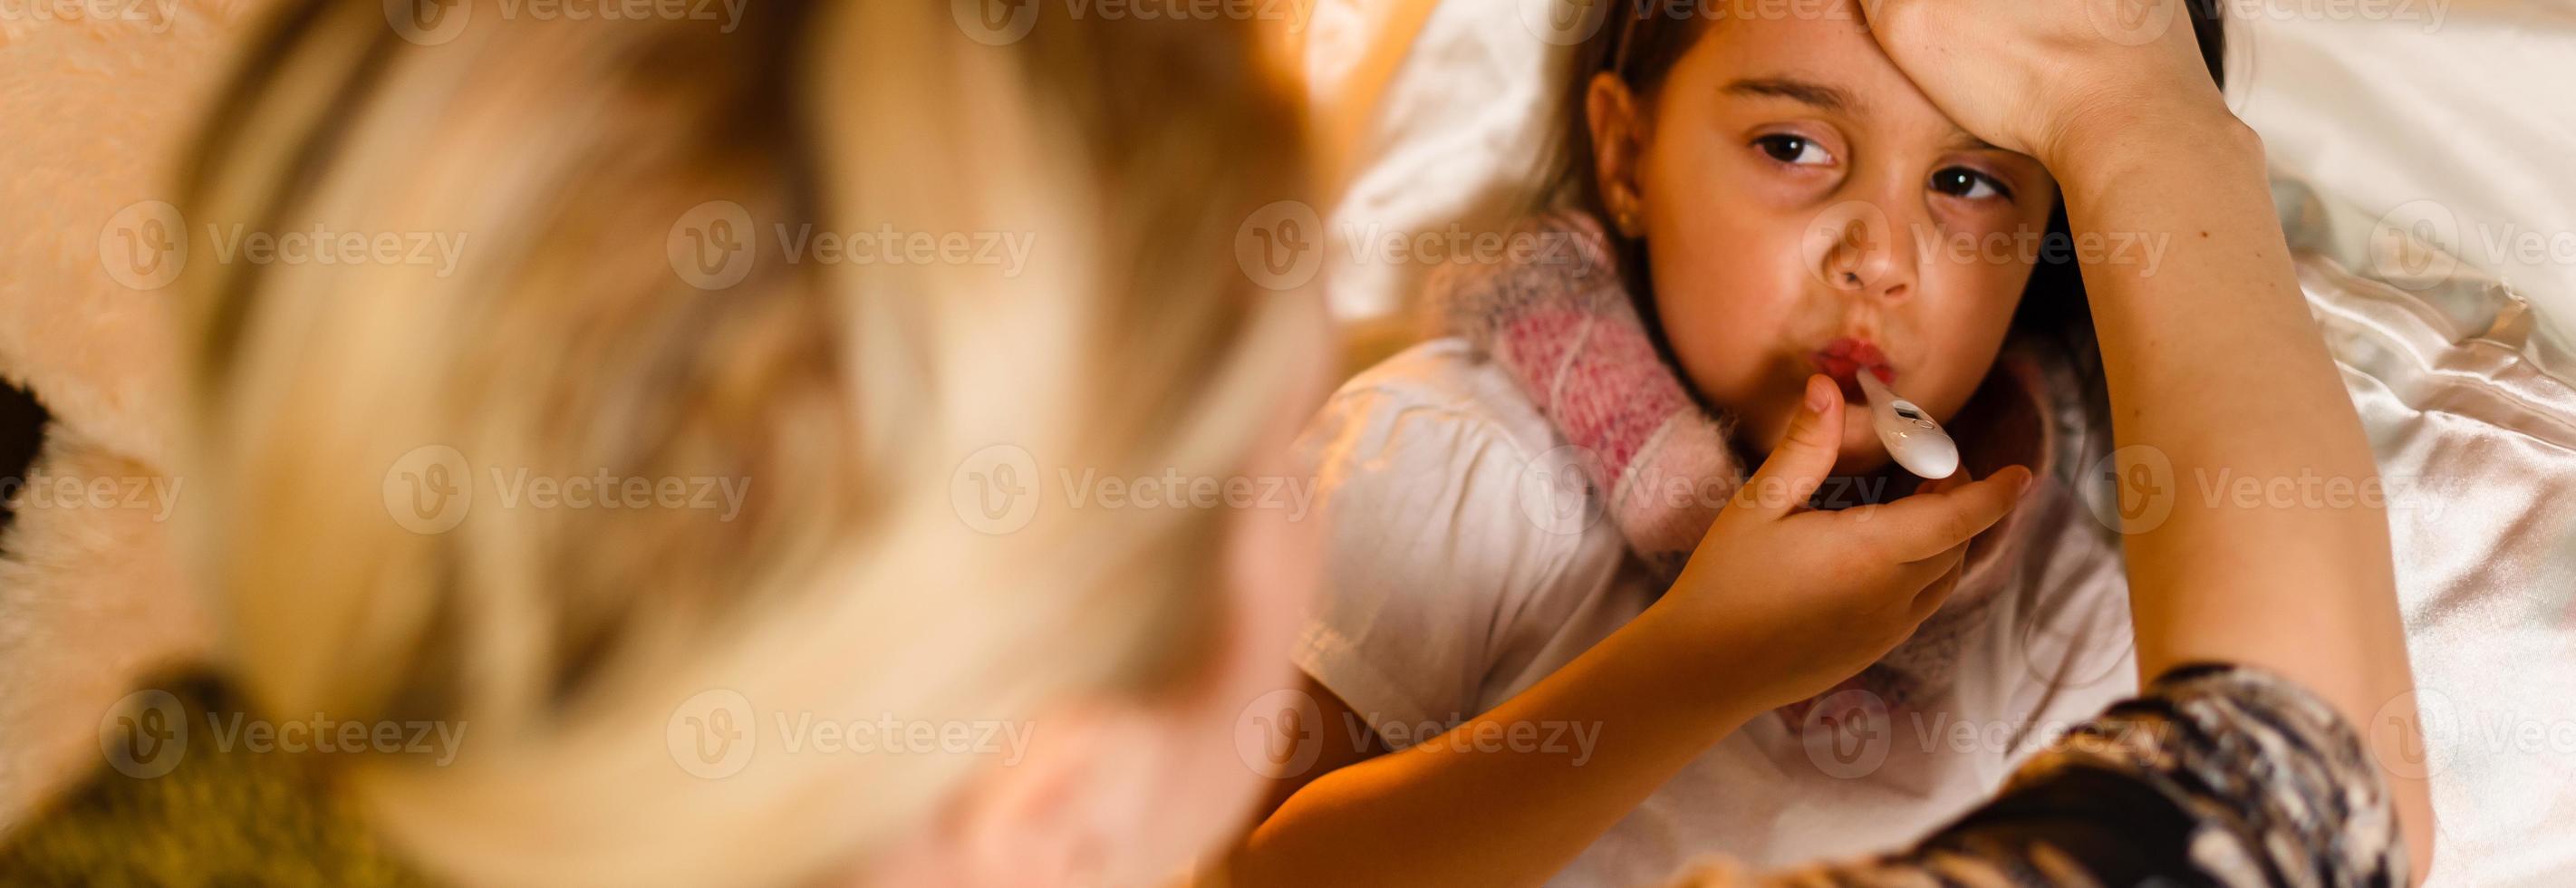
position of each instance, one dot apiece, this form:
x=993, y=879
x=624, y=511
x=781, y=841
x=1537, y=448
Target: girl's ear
x=1618, y=142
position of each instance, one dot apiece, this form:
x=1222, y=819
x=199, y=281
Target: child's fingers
x=1919, y=574
x=1954, y=479
x=1805, y=455
x=1938, y=591
x=1926, y=524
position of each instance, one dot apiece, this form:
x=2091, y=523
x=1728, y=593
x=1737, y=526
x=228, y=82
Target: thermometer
x=1911, y=436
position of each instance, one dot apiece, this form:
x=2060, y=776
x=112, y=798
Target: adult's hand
x=2032, y=75
x=2214, y=364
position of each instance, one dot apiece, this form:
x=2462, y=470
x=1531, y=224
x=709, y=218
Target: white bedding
x=2454, y=121
x=2456, y=118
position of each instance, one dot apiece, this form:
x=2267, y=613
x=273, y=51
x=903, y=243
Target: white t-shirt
x=1454, y=586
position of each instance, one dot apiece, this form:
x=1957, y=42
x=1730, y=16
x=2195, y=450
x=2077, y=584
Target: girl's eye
x=1793, y=149
x=1968, y=183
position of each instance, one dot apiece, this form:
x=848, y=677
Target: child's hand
x=1791, y=601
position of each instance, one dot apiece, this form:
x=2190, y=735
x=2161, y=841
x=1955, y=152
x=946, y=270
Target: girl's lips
x=1845, y=358
x=1859, y=351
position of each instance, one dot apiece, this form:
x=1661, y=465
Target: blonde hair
x=565, y=341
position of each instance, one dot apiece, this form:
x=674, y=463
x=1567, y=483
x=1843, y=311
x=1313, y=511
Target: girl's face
x=1807, y=210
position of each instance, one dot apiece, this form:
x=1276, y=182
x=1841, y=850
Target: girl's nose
x=1855, y=248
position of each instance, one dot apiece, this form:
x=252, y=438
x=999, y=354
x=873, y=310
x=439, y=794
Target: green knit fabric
x=224, y=816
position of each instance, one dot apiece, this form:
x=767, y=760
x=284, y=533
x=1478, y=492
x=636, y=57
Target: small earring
x=1626, y=217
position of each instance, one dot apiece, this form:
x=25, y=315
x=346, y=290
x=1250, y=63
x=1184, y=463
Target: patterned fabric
x=2218, y=775
x=201, y=812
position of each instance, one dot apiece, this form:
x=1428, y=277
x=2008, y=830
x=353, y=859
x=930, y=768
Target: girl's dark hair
x=1641, y=41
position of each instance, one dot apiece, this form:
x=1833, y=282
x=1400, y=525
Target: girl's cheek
x=1968, y=234
x=1721, y=316
x=1968, y=309
x=1773, y=189
x=1971, y=295
x=1730, y=279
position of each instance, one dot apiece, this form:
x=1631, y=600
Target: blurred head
x=1791, y=204
x=687, y=261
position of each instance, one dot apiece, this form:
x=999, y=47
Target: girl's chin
x=1860, y=459
x=1861, y=451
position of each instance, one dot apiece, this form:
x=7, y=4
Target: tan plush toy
x=98, y=100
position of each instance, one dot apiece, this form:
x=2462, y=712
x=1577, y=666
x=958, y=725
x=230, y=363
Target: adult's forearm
x=2116, y=800
x=1458, y=810
x=2249, y=537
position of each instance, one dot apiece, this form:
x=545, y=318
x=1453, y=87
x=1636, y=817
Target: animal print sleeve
x=2217, y=775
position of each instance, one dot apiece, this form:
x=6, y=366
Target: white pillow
x=1443, y=133
x=2451, y=119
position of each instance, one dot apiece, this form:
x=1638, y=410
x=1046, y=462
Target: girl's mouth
x=1845, y=358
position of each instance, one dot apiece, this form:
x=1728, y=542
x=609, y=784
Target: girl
x=1752, y=212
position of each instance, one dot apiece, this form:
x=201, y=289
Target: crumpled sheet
x=2473, y=419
